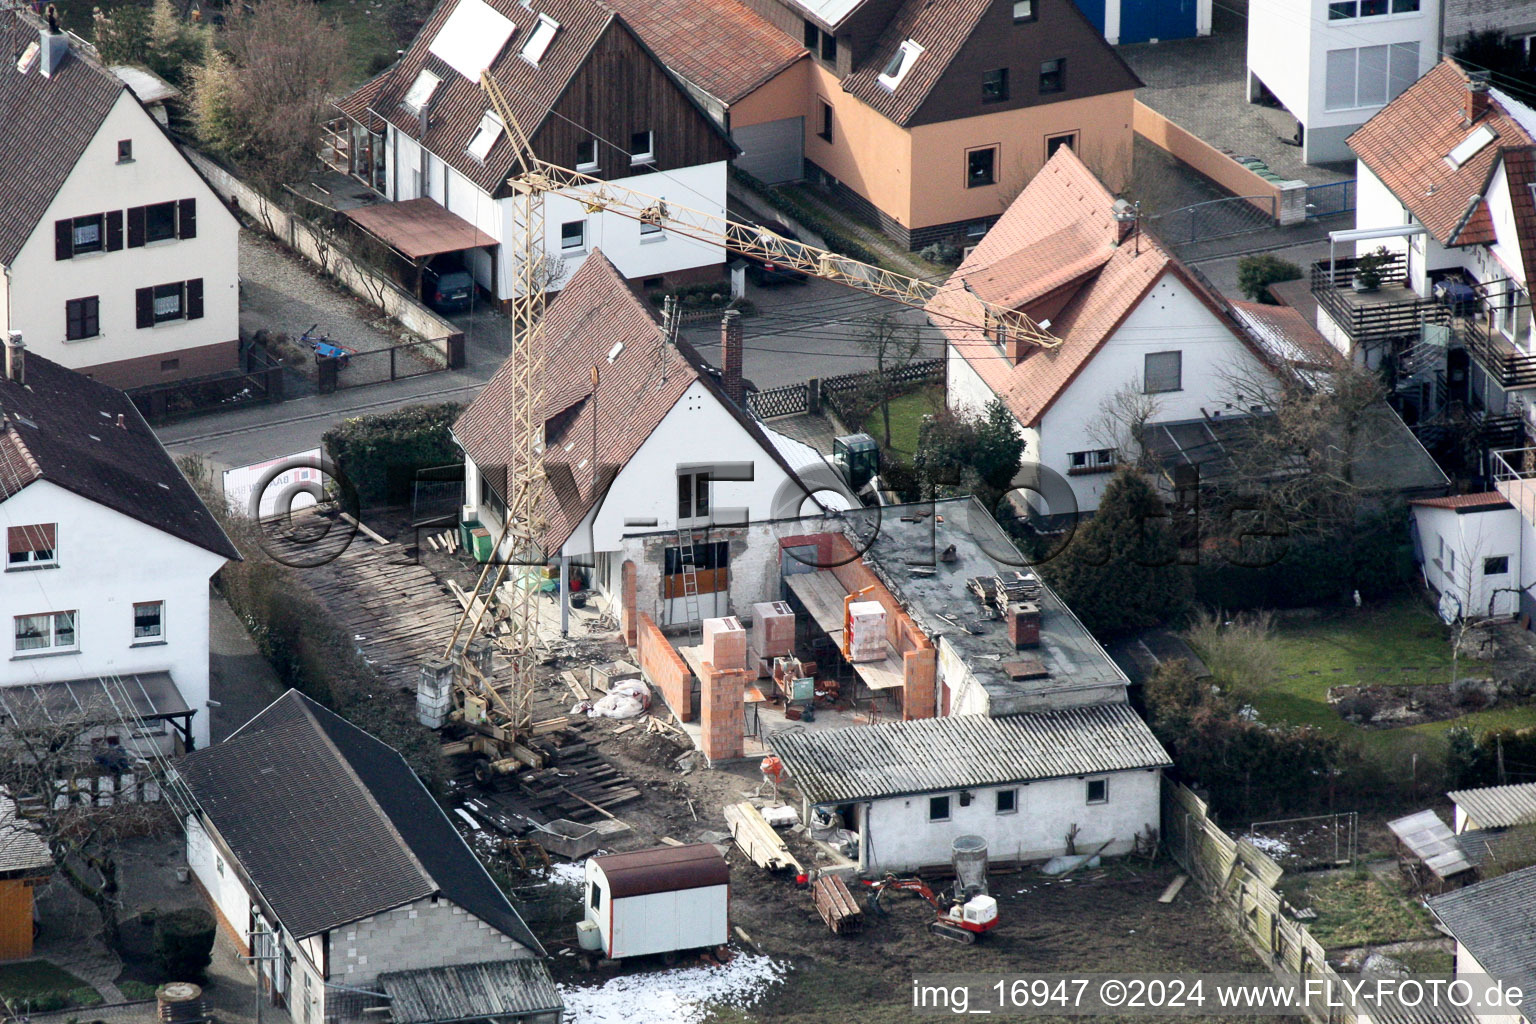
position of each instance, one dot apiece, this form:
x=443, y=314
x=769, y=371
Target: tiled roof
x=720, y=46
x=332, y=826
x=1520, y=168
x=1059, y=225
x=935, y=754
x=592, y=436
x=1496, y=921
x=1406, y=144
x=458, y=103
x=358, y=103
x=1287, y=335
x=62, y=426
x=1483, y=500
x=48, y=123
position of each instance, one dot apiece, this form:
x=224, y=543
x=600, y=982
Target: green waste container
x=481, y=538
x=465, y=541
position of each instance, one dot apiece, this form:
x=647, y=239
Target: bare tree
x=894, y=345
x=1121, y=423
x=81, y=791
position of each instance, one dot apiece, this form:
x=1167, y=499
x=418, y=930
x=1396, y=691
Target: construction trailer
x=659, y=901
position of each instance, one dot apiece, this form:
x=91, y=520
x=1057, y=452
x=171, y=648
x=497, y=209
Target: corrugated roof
x=1287, y=336
x=1498, y=806
x=486, y=991
x=720, y=46
x=61, y=426
x=1496, y=921
x=935, y=754
x=1405, y=145
x=1431, y=840
x=331, y=824
x=48, y=123
x=663, y=869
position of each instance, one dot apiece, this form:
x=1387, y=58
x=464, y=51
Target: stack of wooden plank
x=758, y=840
x=836, y=905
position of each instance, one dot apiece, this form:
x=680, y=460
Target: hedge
x=184, y=943
x=381, y=453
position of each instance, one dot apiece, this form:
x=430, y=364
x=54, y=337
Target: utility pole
x=259, y=933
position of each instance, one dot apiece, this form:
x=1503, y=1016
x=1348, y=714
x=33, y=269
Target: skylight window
x=420, y=93
x=485, y=136
x=538, y=41
x=472, y=37
x=900, y=64
x=1472, y=145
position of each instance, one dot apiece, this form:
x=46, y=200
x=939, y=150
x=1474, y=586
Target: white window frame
x=1023, y=10
x=158, y=636
x=1088, y=792
x=588, y=165
x=537, y=43
x=900, y=64
x=420, y=93
x=581, y=245
x=696, y=515
x=649, y=155
x=486, y=134
x=998, y=800
x=52, y=646
x=1146, y=378
x=16, y=565
x=1393, y=53
x=949, y=808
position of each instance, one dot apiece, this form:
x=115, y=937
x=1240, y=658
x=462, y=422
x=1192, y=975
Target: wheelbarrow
x=326, y=348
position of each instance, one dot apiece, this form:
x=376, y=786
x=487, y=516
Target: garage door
x=1141, y=20
x=772, y=151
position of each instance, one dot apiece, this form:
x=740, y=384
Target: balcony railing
x=1494, y=352
x=1514, y=474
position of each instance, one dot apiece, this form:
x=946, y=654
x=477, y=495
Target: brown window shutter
x=63, y=239
x=186, y=218
x=114, y=230
x=195, y=299
x=135, y=226
x=31, y=538
x=144, y=300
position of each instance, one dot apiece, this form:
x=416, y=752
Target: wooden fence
x=1241, y=881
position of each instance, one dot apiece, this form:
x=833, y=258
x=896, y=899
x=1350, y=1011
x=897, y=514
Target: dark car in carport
x=447, y=288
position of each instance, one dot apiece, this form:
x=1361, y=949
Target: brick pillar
x=627, y=617
x=730, y=356
x=920, y=669
x=720, y=693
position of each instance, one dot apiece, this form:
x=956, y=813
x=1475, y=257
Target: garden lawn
x=371, y=41
x=1358, y=908
x=907, y=412
x=39, y=986
x=1396, y=642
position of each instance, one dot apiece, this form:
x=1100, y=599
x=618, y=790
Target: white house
x=589, y=95
x=1334, y=63
x=116, y=257
x=1024, y=783
x=639, y=437
x=1129, y=316
x=321, y=853
x=109, y=553
x=1494, y=925
x=1471, y=548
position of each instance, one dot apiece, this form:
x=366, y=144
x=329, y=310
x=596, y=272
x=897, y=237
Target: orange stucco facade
x=881, y=160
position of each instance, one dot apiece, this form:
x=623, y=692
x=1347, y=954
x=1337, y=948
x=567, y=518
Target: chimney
x=15, y=358
x=54, y=45
x=1476, y=103
x=730, y=356
x=1024, y=624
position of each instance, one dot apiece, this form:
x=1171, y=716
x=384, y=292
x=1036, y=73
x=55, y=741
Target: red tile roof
x=1520, y=169
x=1053, y=234
x=1484, y=500
x=1406, y=143
x=720, y=46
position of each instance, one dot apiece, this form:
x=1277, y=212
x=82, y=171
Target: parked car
x=447, y=288
x=767, y=272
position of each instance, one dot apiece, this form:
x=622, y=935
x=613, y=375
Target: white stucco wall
x=41, y=285
x=106, y=562
x=1466, y=964
x=1170, y=318
x=901, y=838
x=218, y=878
x=1473, y=538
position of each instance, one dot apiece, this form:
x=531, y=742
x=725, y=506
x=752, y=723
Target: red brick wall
x=721, y=717
x=921, y=671
x=665, y=668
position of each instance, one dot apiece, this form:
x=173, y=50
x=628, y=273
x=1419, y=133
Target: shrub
x=1240, y=652
x=1256, y=273
x=941, y=252
x=381, y=454
x=184, y=943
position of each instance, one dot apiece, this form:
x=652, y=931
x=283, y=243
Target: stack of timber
x=836, y=905
x=390, y=605
x=758, y=840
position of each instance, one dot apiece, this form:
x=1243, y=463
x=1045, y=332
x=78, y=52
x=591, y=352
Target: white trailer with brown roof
x=659, y=901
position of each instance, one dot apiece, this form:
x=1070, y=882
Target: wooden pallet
x=836, y=905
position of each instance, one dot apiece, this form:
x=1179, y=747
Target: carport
x=419, y=229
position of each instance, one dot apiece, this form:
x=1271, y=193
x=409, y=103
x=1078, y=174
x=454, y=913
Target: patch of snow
x=681, y=996
x=1272, y=846
x=566, y=873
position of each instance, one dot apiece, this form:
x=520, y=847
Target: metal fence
x=398, y=362
x=259, y=381
x=1217, y=218
x=1321, y=840
x=1331, y=199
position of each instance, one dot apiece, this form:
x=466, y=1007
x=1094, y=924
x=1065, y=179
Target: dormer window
x=420, y=92
x=485, y=136
x=1472, y=145
x=898, y=66
x=538, y=41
